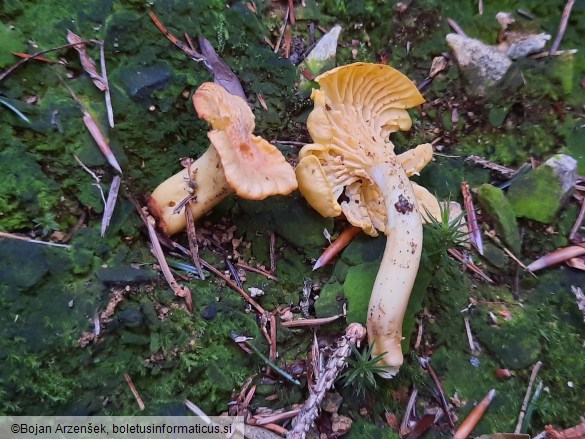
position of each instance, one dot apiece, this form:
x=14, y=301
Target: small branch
x=425, y=362
x=272, y=252
x=134, y=391
x=244, y=340
x=307, y=323
x=192, y=236
x=13, y=67
x=158, y=253
x=535, y=370
x=472, y=224
x=282, y=28
x=336, y=246
x=263, y=420
x=336, y=362
x=562, y=26
x=95, y=177
x=107, y=94
x=34, y=241
x=404, y=429
x=456, y=27
x=469, y=335
x=110, y=203
x=577, y=225
x=257, y=270
x=474, y=416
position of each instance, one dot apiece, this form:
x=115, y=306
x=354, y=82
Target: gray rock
x=532, y=44
x=22, y=264
x=482, y=66
x=540, y=194
x=125, y=275
x=140, y=81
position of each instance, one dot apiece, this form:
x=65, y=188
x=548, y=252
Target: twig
x=474, y=233
x=233, y=272
x=557, y=53
x=244, y=340
x=164, y=267
x=480, y=7
x=336, y=246
x=282, y=28
x=16, y=65
x=556, y=257
x=197, y=411
x=577, y=225
x=469, y=335
x=100, y=139
x=535, y=370
x=305, y=323
x=404, y=429
x=263, y=420
x=474, y=416
x=95, y=177
x=289, y=142
x=134, y=391
x=425, y=362
x=34, y=241
x=456, y=27
x=470, y=265
x=110, y=203
x=75, y=228
x=503, y=170
x=107, y=94
x=509, y=253
x=562, y=26
x=191, y=53
x=273, y=351
x=526, y=14
x=192, y=236
x=233, y=285
x=419, y=335
x=257, y=270
x=272, y=252
x=336, y=362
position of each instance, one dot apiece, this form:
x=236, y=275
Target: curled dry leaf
x=86, y=61
x=556, y=257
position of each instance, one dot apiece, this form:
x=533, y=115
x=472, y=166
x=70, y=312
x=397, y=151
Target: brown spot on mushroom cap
x=254, y=168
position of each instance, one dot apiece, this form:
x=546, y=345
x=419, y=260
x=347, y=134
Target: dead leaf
x=86, y=61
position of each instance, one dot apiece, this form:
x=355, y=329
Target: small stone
x=331, y=402
x=125, y=275
x=540, y=194
x=139, y=81
x=255, y=292
x=531, y=44
x=340, y=425
x=209, y=312
x=482, y=66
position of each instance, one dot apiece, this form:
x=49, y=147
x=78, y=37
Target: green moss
x=495, y=204
x=536, y=195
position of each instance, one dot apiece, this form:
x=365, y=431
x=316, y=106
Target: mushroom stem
x=209, y=188
x=399, y=265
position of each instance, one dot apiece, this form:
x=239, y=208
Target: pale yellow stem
x=209, y=189
x=399, y=265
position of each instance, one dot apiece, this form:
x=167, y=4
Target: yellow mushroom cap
x=356, y=109
x=254, y=168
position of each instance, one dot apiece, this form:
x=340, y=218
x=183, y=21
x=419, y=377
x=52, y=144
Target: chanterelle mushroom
x=357, y=107
x=237, y=161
